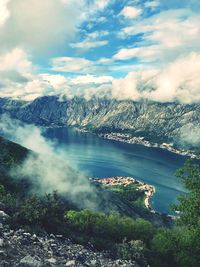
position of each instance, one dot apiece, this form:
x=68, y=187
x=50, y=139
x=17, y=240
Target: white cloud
x=97, y=34
x=102, y=90
x=152, y=4
x=18, y=78
x=92, y=40
x=131, y=86
x=167, y=39
x=101, y=19
x=4, y=12
x=178, y=81
x=57, y=81
x=72, y=64
x=88, y=79
x=48, y=169
x=16, y=60
x=45, y=84
x=35, y=86
x=165, y=36
x=85, y=45
x=140, y=52
x=188, y=136
x=105, y=60
x=99, y=5
x=78, y=65
x=126, y=53
x=131, y=12
x=40, y=25
x=15, y=71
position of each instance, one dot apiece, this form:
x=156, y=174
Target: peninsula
x=148, y=190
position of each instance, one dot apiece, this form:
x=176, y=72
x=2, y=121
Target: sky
x=123, y=49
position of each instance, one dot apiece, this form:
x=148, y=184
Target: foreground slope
x=45, y=215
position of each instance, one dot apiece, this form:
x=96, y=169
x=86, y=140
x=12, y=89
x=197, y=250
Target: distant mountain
x=157, y=122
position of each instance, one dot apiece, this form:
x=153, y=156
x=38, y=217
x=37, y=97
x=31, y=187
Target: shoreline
x=149, y=190
x=126, y=138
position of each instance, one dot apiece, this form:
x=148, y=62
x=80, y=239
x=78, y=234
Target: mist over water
x=65, y=158
x=49, y=167
x=104, y=158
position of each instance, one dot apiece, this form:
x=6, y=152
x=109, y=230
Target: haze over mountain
x=157, y=122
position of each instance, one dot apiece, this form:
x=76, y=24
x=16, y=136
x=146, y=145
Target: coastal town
x=149, y=190
x=127, y=138
x=139, y=140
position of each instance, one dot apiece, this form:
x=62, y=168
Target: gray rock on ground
x=22, y=249
x=30, y=261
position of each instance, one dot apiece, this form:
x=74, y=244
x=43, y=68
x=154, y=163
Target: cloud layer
x=37, y=25
x=49, y=169
x=122, y=49
x=178, y=81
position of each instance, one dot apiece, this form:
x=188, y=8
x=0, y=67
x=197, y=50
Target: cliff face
x=158, y=122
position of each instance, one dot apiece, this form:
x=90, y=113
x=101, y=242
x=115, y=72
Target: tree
x=45, y=212
x=176, y=247
x=132, y=250
x=189, y=203
x=180, y=246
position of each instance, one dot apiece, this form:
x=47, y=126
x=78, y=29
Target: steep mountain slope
x=22, y=248
x=12, y=155
x=157, y=122
x=11, y=152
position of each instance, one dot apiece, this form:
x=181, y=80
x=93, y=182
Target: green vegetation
x=125, y=237
x=11, y=153
x=132, y=250
x=129, y=193
x=189, y=205
x=36, y=213
x=109, y=228
x=180, y=246
x=11, y=156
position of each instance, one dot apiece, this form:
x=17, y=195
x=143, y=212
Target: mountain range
x=155, y=121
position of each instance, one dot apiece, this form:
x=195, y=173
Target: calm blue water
x=103, y=158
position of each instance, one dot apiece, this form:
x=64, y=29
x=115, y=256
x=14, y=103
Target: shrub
x=176, y=247
x=132, y=250
x=112, y=226
x=42, y=213
x=9, y=201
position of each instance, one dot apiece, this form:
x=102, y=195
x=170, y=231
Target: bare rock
x=3, y=216
x=71, y=263
x=30, y=261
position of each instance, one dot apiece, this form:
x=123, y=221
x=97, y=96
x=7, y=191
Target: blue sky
x=121, y=48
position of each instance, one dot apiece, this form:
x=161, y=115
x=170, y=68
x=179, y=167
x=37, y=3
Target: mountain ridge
x=155, y=121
